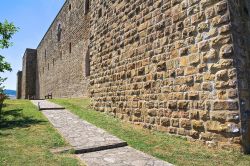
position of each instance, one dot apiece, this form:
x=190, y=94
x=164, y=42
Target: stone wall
x=28, y=85
x=240, y=19
x=177, y=66
x=19, y=85
x=168, y=66
x=62, y=53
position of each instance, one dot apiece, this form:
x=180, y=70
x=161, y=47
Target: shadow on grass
x=15, y=119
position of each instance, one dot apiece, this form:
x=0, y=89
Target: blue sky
x=33, y=17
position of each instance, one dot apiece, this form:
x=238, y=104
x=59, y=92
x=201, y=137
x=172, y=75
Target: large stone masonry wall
x=167, y=65
x=61, y=69
x=28, y=85
x=240, y=18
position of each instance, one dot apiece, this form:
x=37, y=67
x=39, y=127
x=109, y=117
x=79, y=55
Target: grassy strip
x=169, y=148
x=26, y=137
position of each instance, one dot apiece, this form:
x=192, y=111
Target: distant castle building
x=177, y=66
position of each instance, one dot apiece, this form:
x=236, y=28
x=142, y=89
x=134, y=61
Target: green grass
x=175, y=150
x=26, y=137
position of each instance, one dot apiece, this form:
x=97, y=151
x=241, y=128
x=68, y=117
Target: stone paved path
x=97, y=147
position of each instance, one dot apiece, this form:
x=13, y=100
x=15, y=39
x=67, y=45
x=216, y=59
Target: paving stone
x=124, y=156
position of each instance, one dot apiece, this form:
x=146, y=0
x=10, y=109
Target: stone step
x=82, y=150
x=124, y=156
x=45, y=105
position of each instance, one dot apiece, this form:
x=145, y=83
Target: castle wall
x=28, y=85
x=179, y=66
x=168, y=66
x=61, y=69
x=240, y=18
x=19, y=85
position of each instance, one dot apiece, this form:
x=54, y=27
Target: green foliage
x=7, y=30
x=4, y=66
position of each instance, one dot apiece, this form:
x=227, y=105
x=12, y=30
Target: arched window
x=87, y=64
x=59, y=32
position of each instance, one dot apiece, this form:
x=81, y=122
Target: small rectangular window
x=87, y=64
x=53, y=62
x=100, y=13
x=70, y=48
x=45, y=55
x=61, y=55
x=69, y=7
x=86, y=6
x=48, y=66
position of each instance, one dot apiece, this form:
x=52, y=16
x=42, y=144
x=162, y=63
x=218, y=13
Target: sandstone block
x=225, y=105
x=165, y=122
x=215, y=126
x=175, y=122
x=226, y=51
x=197, y=125
x=185, y=123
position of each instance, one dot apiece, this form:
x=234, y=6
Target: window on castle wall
x=70, y=49
x=86, y=6
x=53, y=62
x=48, y=66
x=45, y=55
x=69, y=7
x=59, y=32
x=87, y=64
x=61, y=55
x=100, y=13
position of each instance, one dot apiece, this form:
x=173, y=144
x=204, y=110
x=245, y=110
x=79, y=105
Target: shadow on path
x=15, y=119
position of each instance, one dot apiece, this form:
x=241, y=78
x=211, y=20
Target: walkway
x=93, y=145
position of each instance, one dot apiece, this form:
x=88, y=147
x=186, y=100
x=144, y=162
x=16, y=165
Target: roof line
x=52, y=23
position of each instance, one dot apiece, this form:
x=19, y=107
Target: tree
x=7, y=30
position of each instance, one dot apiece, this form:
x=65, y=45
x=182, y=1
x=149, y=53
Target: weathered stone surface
x=62, y=61
x=125, y=156
x=225, y=105
x=148, y=63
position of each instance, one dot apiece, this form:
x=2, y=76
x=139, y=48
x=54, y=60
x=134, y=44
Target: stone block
x=225, y=105
x=198, y=125
x=185, y=123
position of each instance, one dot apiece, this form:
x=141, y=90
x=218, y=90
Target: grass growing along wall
x=175, y=150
